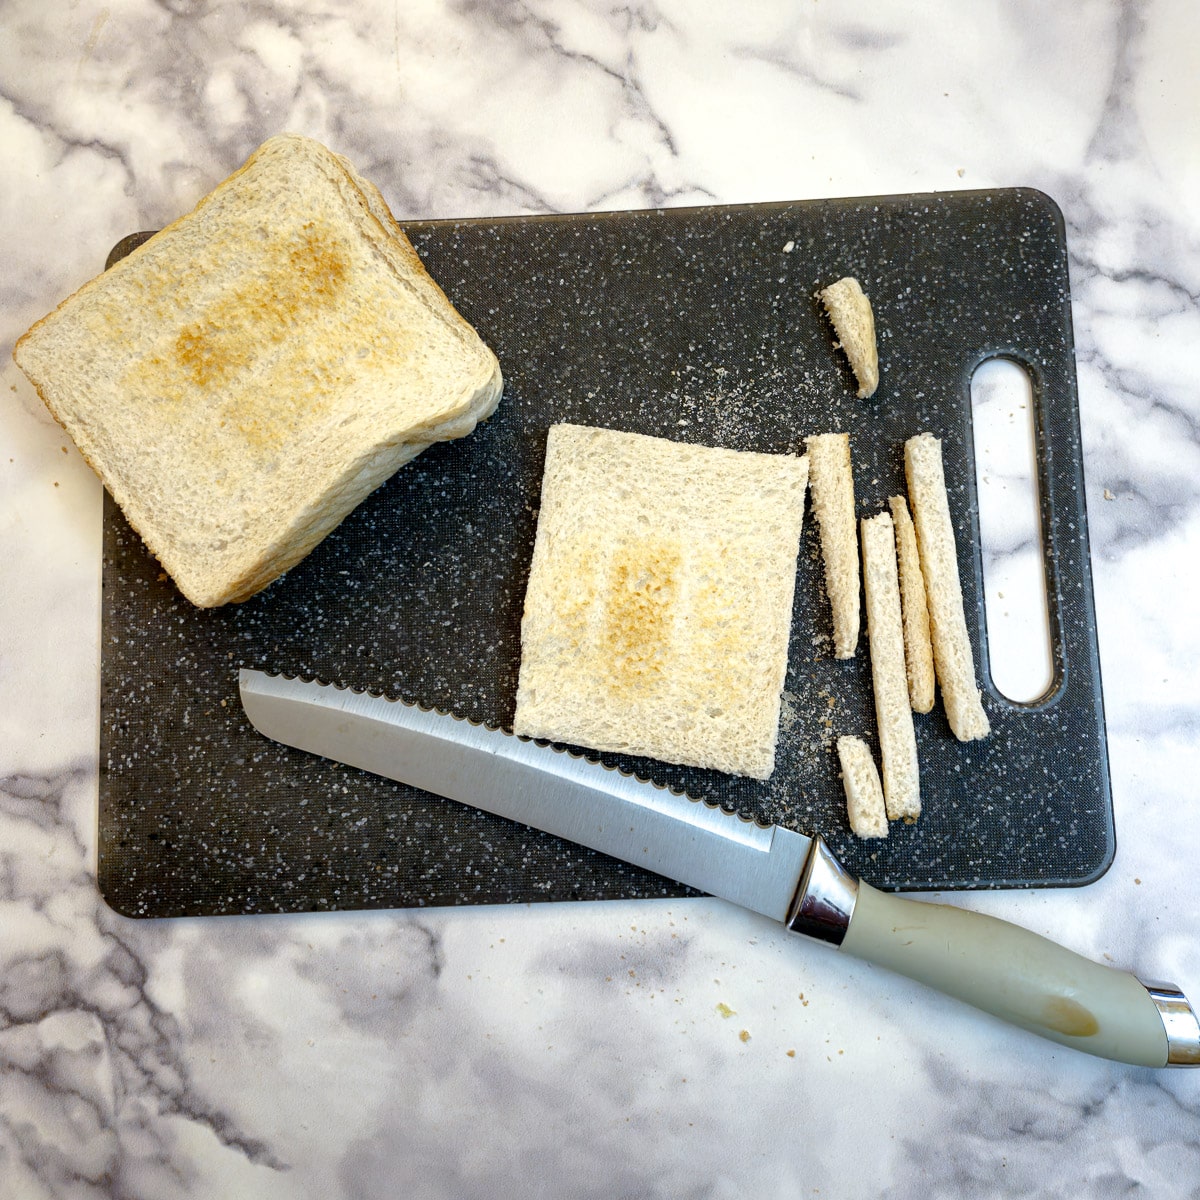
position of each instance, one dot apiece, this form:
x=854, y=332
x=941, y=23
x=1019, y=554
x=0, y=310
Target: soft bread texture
x=864, y=793
x=854, y=323
x=918, y=648
x=658, y=609
x=832, y=483
x=953, y=662
x=246, y=377
x=885, y=633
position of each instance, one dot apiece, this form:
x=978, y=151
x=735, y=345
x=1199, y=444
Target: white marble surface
x=579, y=1050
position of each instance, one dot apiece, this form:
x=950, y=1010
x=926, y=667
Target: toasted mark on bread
x=641, y=601
x=249, y=330
x=658, y=608
x=248, y=375
x=952, y=657
x=301, y=279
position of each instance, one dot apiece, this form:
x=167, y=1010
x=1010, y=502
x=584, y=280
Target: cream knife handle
x=1000, y=968
x=1025, y=979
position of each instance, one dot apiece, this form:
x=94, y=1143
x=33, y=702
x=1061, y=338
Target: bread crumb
x=791, y=1054
x=744, y=1035
x=725, y=1010
x=1108, y=495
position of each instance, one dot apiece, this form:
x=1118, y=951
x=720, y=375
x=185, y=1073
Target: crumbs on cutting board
x=728, y=407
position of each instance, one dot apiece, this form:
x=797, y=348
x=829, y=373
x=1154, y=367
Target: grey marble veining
x=585, y=1050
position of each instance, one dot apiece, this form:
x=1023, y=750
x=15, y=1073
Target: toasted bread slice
x=832, y=482
x=918, y=648
x=953, y=661
x=246, y=377
x=885, y=635
x=659, y=603
x=865, y=808
x=854, y=323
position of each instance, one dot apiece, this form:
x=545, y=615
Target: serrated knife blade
x=997, y=967
x=574, y=798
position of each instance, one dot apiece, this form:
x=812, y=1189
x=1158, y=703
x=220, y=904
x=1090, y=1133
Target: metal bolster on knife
x=825, y=899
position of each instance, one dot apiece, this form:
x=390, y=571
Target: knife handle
x=1024, y=979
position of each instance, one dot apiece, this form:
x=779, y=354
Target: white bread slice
x=918, y=648
x=246, y=377
x=658, y=609
x=832, y=483
x=854, y=323
x=864, y=793
x=952, y=658
x=885, y=632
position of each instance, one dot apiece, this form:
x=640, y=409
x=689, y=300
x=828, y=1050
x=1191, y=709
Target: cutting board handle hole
x=1005, y=430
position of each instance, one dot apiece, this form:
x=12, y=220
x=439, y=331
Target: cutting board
x=696, y=324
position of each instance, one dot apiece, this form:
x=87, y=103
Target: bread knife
x=998, y=967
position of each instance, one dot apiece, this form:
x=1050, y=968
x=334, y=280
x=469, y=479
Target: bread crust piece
x=246, y=377
x=853, y=321
x=885, y=635
x=952, y=656
x=918, y=648
x=864, y=793
x=831, y=479
x=658, y=609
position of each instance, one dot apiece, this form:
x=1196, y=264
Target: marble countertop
x=583, y=1050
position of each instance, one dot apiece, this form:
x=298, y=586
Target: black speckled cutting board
x=694, y=324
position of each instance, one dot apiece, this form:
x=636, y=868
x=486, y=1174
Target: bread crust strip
x=885, y=632
x=831, y=481
x=853, y=321
x=952, y=655
x=918, y=647
x=864, y=793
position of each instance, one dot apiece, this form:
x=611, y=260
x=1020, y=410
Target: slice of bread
x=658, y=609
x=952, y=656
x=854, y=323
x=832, y=482
x=864, y=793
x=918, y=648
x=246, y=377
x=885, y=635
